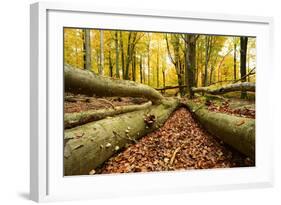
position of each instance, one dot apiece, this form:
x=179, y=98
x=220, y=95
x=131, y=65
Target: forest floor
x=181, y=144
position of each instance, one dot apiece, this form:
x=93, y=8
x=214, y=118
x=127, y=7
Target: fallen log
x=246, y=86
x=237, y=132
x=79, y=118
x=86, y=147
x=86, y=82
x=171, y=87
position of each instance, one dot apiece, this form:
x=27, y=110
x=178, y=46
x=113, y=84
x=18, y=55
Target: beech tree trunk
x=85, y=82
x=116, y=55
x=79, y=118
x=243, y=62
x=246, y=86
x=190, y=62
x=86, y=147
x=237, y=132
x=101, y=63
x=87, y=49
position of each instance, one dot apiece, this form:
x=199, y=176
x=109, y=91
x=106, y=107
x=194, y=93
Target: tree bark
x=234, y=60
x=190, y=62
x=79, y=118
x=176, y=60
x=110, y=64
x=87, y=49
x=101, y=71
x=122, y=55
x=237, y=132
x=157, y=66
x=243, y=61
x=228, y=88
x=85, y=82
x=141, y=68
x=87, y=147
x=116, y=55
x=171, y=87
x=148, y=60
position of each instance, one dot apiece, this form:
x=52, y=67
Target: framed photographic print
x=149, y=101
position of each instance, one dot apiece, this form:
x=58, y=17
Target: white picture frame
x=46, y=136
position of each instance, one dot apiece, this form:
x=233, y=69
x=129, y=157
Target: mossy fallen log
x=86, y=147
x=238, y=132
x=79, y=118
x=246, y=86
x=86, y=82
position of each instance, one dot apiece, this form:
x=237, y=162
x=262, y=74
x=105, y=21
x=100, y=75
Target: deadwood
x=246, y=86
x=86, y=82
x=86, y=147
x=79, y=118
x=238, y=132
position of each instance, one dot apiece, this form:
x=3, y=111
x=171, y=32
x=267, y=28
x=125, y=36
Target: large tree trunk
x=190, y=62
x=237, y=132
x=85, y=82
x=228, y=88
x=88, y=146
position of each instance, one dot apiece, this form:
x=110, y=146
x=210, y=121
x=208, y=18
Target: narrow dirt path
x=180, y=144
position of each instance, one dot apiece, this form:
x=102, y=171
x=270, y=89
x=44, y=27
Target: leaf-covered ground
x=180, y=144
x=228, y=107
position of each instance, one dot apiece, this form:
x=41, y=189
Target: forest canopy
x=159, y=59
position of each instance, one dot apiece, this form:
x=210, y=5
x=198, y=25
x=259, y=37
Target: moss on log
x=86, y=82
x=246, y=86
x=79, y=118
x=88, y=146
x=237, y=132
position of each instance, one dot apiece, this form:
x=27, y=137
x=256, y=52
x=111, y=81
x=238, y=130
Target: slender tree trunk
x=234, y=63
x=176, y=59
x=101, y=71
x=212, y=70
x=157, y=65
x=110, y=63
x=130, y=52
x=141, y=69
x=148, y=60
x=134, y=66
x=117, y=55
x=207, y=57
x=87, y=56
x=164, y=79
x=248, y=64
x=122, y=55
x=243, y=61
x=76, y=52
x=206, y=60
